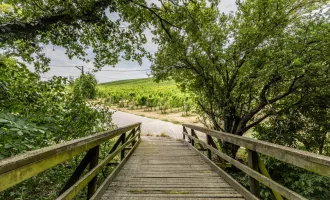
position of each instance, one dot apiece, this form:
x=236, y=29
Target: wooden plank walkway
x=162, y=168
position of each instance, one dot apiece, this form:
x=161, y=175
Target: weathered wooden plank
x=123, y=140
x=166, y=198
x=310, y=161
x=175, y=195
x=264, y=172
x=78, y=172
x=178, y=189
x=100, y=191
x=157, y=173
x=253, y=164
x=171, y=191
x=95, y=151
x=21, y=167
x=237, y=186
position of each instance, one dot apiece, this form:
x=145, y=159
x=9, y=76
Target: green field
x=139, y=93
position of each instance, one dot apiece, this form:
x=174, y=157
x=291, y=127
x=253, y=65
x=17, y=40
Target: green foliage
x=76, y=26
x=148, y=93
x=305, y=125
x=35, y=114
x=266, y=64
x=308, y=184
x=85, y=85
x=245, y=66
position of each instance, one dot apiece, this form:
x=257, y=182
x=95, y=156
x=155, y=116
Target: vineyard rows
x=146, y=94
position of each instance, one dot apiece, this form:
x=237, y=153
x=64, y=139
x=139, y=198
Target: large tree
x=245, y=66
x=108, y=29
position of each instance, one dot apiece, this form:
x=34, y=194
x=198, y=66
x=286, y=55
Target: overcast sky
x=60, y=62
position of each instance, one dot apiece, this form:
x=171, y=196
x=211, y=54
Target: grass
x=162, y=135
x=175, y=122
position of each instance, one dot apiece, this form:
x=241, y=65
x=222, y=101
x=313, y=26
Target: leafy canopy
x=245, y=66
x=107, y=30
x=35, y=113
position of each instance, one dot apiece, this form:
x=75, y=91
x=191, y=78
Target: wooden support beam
x=123, y=140
x=212, y=143
x=184, y=131
x=263, y=170
x=139, y=131
x=81, y=183
x=208, y=140
x=253, y=164
x=78, y=171
x=232, y=182
x=310, y=161
x=104, y=186
x=133, y=134
x=115, y=146
x=21, y=167
x=191, y=139
x=94, y=160
x=285, y=192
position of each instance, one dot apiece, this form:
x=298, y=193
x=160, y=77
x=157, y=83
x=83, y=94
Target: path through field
x=149, y=126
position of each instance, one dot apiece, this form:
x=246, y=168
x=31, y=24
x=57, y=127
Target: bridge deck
x=162, y=168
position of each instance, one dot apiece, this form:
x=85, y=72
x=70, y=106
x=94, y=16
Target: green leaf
x=20, y=133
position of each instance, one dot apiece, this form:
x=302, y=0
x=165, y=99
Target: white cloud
x=59, y=58
x=227, y=6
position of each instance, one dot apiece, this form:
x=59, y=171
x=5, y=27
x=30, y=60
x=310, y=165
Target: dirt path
x=174, y=117
x=149, y=126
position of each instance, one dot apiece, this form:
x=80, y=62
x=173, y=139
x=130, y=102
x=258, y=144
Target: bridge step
x=163, y=168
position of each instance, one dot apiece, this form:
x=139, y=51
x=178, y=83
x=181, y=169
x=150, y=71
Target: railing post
x=208, y=140
x=184, y=131
x=123, y=140
x=139, y=130
x=77, y=173
x=94, y=160
x=133, y=134
x=253, y=163
x=192, y=140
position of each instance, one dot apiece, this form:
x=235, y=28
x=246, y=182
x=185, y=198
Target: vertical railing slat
x=123, y=140
x=208, y=140
x=253, y=164
x=94, y=160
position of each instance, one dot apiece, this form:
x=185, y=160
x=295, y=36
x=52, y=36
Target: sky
x=61, y=65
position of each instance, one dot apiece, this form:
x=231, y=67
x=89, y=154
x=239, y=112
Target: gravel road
x=149, y=126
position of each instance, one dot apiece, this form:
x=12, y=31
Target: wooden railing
x=256, y=169
x=21, y=167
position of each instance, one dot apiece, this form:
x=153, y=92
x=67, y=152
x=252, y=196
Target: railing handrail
x=310, y=161
x=14, y=170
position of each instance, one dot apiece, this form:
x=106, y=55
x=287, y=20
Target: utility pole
x=81, y=68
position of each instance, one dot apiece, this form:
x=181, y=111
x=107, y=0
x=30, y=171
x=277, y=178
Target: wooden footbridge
x=161, y=168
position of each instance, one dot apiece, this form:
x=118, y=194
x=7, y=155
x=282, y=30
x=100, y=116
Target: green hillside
x=143, y=92
x=142, y=81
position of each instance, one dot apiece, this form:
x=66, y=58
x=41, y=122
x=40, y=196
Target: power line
x=110, y=70
x=133, y=70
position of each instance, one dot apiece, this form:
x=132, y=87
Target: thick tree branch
x=44, y=22
x=263, y=101
x=243, y=130
x=161, y=20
